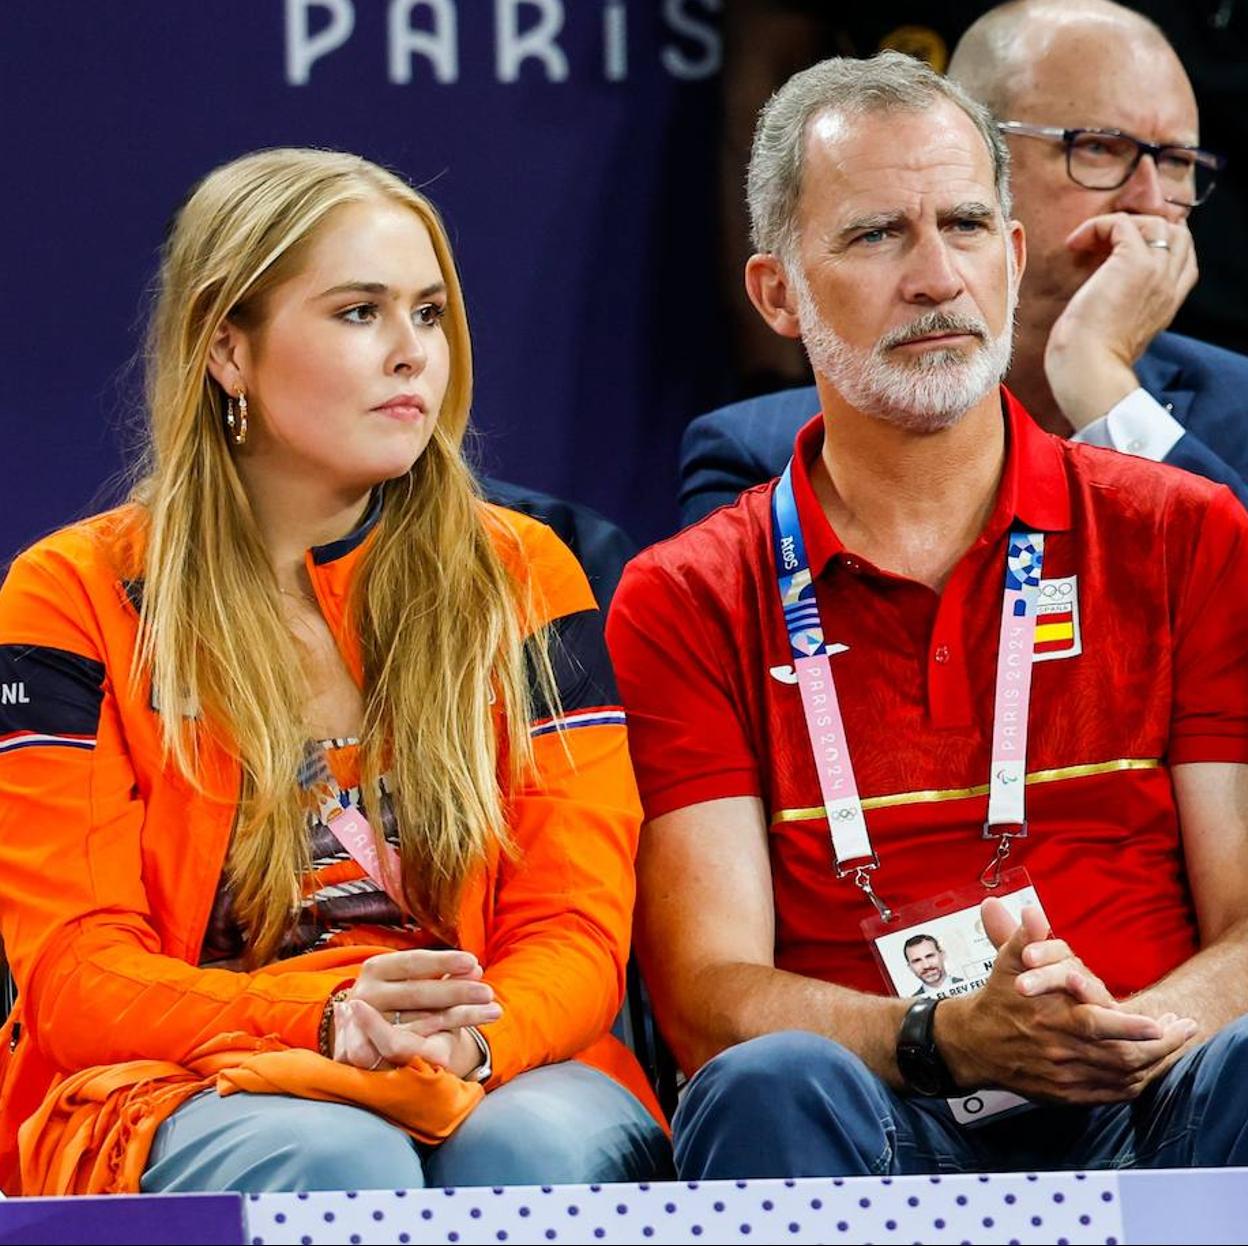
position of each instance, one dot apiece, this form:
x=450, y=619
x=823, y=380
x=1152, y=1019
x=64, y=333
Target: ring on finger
x=1160, y=243
x=376, y=1064
x=398, y=1018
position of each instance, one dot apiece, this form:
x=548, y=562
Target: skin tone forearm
x=705, y=884
x=1212, y=987
x=706, y=935
x=1031, y=1030
x=736, y=1002
x=1043, y=1025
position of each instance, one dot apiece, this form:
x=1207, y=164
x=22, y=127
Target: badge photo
x=938, y=948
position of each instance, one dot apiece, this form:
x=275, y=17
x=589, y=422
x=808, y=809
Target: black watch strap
x=918, y=1060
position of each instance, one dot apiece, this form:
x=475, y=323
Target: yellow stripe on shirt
x=962, y=793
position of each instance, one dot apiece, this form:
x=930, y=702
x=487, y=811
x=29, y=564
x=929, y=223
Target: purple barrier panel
x=185, y=1219
x=1192, y=1205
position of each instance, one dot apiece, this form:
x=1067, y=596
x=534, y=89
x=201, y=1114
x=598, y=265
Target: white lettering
x=615, y=41
x=512, y=48
x=702, y=33
x=13, y=694
x=304, y=49
x=438, y=45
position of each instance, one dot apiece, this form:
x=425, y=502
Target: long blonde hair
x=442, y=623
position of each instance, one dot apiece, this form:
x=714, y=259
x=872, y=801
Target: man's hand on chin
x=1132, y=296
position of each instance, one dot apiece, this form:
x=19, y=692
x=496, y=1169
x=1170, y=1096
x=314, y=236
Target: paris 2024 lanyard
x=373, y=853
x=851, y=842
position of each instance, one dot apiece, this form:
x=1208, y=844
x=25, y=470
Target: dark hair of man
x=915, y=940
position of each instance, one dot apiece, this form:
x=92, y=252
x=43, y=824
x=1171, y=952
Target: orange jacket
x=109, y=860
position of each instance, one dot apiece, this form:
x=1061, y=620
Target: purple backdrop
x=567, y=143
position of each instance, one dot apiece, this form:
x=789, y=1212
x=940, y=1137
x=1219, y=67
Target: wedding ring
x=1160, y=243
x=398, y=1018
x=376, y=1064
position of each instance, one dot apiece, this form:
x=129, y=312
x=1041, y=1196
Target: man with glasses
x=1103, y=130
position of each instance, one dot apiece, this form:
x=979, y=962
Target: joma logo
x=13, y=694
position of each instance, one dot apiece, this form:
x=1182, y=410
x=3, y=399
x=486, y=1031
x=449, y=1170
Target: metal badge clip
x=862, y=880
x=991, y=875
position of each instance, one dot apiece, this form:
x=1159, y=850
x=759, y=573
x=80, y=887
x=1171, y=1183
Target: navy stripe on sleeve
x=48, y=698
x=583, y=676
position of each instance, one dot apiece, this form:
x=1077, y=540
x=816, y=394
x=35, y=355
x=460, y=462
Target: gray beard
x=932, y=392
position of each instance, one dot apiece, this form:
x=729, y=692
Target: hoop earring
x=236, y=418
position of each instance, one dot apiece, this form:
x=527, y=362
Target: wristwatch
x=920, y=1063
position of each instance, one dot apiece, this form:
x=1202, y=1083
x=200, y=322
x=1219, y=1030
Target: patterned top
x=341, y=904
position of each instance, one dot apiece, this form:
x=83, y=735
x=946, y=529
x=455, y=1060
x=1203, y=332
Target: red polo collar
x=1034, y=490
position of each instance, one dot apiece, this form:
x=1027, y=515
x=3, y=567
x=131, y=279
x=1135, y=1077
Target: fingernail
x=1168, y=1018
x=1025, y=983
x=493, y=1011
x=1190, y=1026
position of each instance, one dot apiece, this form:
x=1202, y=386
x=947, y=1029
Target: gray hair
x=890, y=81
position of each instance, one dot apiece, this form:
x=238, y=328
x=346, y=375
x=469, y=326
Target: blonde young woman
x=316, y=816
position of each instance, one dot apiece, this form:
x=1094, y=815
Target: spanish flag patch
x=1058, y=634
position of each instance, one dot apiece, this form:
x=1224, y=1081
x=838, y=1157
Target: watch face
x=921, y=1073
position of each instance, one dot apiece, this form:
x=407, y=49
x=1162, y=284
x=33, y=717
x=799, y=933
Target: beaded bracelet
x=327, y=1021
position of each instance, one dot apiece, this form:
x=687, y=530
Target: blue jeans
x=564, y=1123
x=796, y=1105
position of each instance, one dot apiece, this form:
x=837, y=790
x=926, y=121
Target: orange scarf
x=94, y=1131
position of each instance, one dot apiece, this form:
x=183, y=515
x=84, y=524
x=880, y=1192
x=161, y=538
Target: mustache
x=934, y=322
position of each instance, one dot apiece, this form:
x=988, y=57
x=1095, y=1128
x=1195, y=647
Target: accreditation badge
x=938, y=948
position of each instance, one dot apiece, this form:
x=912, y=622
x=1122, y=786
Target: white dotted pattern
x=1022, y=1208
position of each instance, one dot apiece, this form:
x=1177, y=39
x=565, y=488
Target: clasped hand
x=1046, y=1027
x=413, y=1004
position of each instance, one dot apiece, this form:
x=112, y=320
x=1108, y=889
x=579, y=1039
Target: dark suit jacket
x=600, y=547
x=1205, y=388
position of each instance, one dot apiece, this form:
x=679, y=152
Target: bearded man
x=947, y=665
x=1106, y=171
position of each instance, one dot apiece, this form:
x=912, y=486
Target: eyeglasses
x=1105, y=159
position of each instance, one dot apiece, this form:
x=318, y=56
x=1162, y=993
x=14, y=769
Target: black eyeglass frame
x=1209, y=160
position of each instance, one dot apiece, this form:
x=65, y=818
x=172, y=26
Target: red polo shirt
x=1144, y=664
